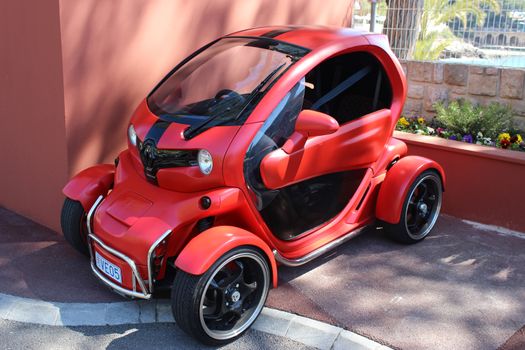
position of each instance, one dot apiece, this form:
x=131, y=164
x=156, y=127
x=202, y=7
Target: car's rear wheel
x=220, y=305
x=73, y=221
x=420, y=210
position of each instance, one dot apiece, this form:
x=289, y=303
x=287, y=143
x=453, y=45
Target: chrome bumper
x=146, y=291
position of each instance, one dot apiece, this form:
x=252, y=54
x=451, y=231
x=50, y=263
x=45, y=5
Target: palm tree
x=404, y=17
x=435, y=35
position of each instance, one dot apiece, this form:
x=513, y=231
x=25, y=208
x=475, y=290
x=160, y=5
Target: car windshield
x=223, y=81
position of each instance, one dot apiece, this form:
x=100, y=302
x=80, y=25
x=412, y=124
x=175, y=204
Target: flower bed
x=490, y=125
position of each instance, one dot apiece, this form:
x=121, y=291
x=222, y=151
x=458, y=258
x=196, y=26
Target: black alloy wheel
x=420, y=209
x=220, y=305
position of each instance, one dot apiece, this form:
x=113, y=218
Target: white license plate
x=108, y=268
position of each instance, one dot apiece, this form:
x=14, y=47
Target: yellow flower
x=504, y=136
x=403, y=121
x=421, y=120
x=519, y=139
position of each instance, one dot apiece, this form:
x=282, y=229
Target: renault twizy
x=266, y=147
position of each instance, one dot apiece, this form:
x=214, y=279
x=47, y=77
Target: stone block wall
x=429, y=82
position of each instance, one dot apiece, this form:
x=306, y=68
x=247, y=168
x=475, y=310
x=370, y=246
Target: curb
x=300, y=329
x=497, y=229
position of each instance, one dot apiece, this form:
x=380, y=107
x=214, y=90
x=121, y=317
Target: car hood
x=164, y=140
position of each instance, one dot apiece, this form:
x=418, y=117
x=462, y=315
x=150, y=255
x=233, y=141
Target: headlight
x=132, y=135
x=205, y=161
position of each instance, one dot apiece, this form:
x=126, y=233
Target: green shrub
x=463, y=117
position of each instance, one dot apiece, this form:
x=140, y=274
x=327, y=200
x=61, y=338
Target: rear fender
x=90, y=183
x=398, y=180
x=203, y=250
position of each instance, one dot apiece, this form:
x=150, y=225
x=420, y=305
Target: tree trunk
x=347, y=20
x=402, y=26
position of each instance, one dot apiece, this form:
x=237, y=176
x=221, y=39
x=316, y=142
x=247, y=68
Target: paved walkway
x=462, y=288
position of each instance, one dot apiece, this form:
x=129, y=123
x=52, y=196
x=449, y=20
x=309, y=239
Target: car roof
x=310, y=37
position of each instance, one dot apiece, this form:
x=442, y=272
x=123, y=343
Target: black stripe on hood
x=157, y=130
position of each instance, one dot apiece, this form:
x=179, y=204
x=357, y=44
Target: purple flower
x=453, y=137
x=467, y=138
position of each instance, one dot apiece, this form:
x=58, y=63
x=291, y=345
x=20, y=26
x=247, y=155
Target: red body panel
x=203, y=250
x=355, y=145
x=90, y=183
x=397, y=183
x=136, y=212
x=394, y=149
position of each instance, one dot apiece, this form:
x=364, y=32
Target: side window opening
x=272, y=135
x=348, y=86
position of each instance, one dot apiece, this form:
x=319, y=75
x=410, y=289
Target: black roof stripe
x=276, y=32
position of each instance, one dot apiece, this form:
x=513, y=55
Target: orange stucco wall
x=114, y=54
x=33, y=152
x=76, y=69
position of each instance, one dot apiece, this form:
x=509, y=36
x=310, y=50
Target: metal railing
x=486, y=32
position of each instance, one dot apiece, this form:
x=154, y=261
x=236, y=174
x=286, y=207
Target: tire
x=73, y=222
x=420, y=209
x=235, y=305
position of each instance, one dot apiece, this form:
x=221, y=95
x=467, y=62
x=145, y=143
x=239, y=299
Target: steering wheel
x=227, y=93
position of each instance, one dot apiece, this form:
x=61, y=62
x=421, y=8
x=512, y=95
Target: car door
x=297, y=191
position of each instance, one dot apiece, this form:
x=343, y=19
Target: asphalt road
x=15, y=335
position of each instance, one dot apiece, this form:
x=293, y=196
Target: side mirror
x=310, y=123
x=313, y=123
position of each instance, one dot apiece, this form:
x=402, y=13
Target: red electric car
x=266, y=147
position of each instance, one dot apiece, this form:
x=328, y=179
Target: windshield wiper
x=194, y=131
x=266, y=80
x=259, y=87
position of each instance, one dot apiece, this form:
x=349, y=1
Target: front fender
x=203, y=250
x=398, y=180
x=90, y=183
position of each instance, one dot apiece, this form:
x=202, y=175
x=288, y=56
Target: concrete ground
x=461, y=288
x=17, y=335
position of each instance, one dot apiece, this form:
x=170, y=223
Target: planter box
x=484, y=184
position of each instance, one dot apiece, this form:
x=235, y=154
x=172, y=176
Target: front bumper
x=145, y=287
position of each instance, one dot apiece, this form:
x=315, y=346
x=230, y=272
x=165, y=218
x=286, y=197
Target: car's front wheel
x=220, y=305
x=73, y=222
x=420, y=210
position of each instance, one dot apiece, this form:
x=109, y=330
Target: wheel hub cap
x=235, y=296
x=422, y=208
